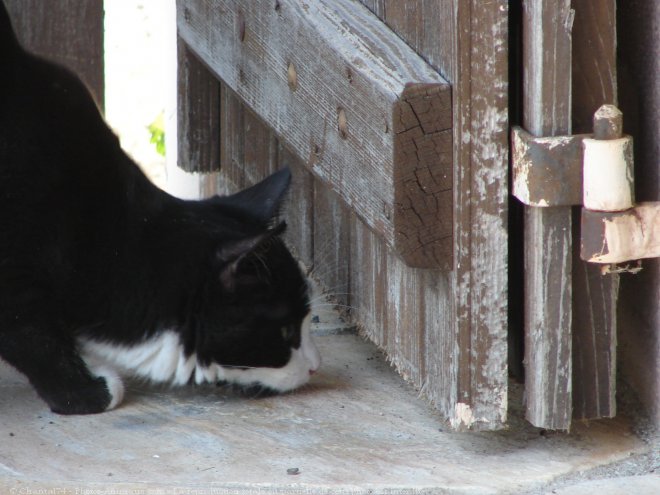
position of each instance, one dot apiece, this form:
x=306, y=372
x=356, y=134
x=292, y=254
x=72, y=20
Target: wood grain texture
x=423, y=178
x=198, y=113
x=299, y=209
x=595, y=295
x=332, y=248
x=480, y=216
x=67, y=31
x=444, y=331
x=594, y=60
x=426, y=25
x=454, y=327
x=232, y=141
x=548, y=237
x=327, y=77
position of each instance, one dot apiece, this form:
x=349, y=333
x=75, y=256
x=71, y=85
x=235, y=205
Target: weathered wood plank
x=299, y=209
x=328, y=77
x=458, y=328
x=426, y=25
x=332, y=244
x=462, y=369
x=413, y=313
x=232, y=141
x=198, y=114
x=594, y=60
x=425, y=184
x=376, y=276
x=68, y=31
x=594, y=313
x=548, y=255
x=260, y=148
x=481, y=191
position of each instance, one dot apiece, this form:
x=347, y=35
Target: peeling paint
x=608, y=175
x=463, y=416
x=630, y=236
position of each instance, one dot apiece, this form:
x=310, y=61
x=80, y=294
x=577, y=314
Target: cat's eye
x=288, y=332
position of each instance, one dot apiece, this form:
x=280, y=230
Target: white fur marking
x=293, y=375
x=112, y=380
x=162, y=359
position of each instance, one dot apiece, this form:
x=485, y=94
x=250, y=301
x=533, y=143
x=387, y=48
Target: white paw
x=112, y=381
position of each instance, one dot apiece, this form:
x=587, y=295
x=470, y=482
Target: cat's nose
x=311, y=372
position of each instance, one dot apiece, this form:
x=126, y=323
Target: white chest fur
x=162, y=359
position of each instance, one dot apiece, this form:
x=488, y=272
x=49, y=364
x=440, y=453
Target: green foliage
x=157, y=131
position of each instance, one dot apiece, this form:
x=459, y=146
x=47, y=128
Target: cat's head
x=259, y=314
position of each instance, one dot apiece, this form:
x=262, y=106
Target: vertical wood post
x=548, y=248
x=594, y=295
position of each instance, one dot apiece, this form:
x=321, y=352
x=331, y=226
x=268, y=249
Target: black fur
x=89, y=247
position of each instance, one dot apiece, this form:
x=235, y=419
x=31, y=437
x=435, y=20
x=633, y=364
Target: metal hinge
x=596, y=172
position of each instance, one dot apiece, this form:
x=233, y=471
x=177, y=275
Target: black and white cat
x=102, y=274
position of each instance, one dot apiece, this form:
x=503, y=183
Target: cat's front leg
x=60, y=376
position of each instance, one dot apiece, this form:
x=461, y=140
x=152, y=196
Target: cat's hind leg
x=51, y=362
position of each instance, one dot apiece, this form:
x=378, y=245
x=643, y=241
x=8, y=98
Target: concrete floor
x=357, y=428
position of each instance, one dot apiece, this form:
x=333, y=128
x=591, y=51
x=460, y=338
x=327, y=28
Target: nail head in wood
x=292, y=77
x=240, y=25
x=608, y=122
x=342, y=123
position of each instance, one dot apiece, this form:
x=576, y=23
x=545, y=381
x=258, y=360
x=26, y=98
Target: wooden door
x=568, y=71
x=411, y=232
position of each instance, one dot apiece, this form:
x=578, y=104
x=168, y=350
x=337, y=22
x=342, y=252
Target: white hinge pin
x=608, y=183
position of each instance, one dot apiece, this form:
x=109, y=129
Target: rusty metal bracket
x=594, y=170
x=547, y=171
x=621, y=236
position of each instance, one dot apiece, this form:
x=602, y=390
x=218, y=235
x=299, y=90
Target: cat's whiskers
x=337, y=305
x=328, y=270
x=327, y=297
x=238, y=367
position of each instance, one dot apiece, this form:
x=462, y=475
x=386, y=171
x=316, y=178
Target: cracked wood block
x=364, y=112
x=423, y=177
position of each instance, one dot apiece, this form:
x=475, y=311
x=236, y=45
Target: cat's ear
x=230, y=253
x=263, y=200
